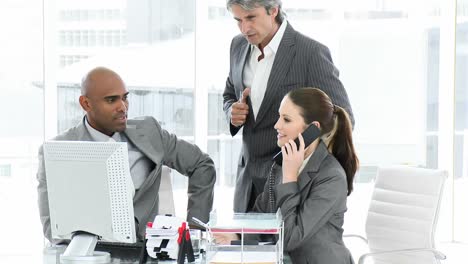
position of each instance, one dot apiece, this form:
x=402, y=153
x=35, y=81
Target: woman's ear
x=316, y=123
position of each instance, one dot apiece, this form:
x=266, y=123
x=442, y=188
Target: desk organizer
x=250, y=227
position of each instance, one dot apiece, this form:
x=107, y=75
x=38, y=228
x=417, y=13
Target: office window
x=5, y=170
x=68, y=38
x=92, y=14
x=108, y=38
x=159, y=85
x=101, y=14
x=22, y=115
x=84, y=15
x=62, y=38
x=218, y=12
x=461, y=125
x=115, y=38
x=92, y=38
x=123, y=38
x=62, y=62
x=76, y=38
x=388, y=54
x=309, y=14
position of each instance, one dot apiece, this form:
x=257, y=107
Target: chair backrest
x=403, y=213
x=166, y=195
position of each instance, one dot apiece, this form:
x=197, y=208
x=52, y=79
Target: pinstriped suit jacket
x=300, y=62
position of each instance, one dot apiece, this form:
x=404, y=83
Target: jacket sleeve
x=324, y=75
x=302, y=221
x=229, y=94
x=189, y=160
x=43, y=200
x=261, y=203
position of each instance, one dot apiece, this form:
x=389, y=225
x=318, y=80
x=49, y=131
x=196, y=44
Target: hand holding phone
x=310, y=134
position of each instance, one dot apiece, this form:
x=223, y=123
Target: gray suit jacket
x=299, y=62
x=162, y=148
x=313, y=210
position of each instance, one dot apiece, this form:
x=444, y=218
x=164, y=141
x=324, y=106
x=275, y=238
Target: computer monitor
x=90, y=192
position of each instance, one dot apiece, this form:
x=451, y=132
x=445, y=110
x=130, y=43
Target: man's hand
x=225, y=238
x=240, y=109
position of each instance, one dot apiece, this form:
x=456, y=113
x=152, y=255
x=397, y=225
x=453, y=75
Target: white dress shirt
x=140, y=165
x=256, y=73
x=304, y=163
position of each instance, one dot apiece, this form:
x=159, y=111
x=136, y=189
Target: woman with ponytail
x=311, y=186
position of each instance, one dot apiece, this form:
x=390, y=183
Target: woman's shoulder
x=331, y=163
x=330, y=167
x=324, y=161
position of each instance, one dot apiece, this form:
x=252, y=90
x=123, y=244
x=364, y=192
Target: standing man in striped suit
x=267, y=60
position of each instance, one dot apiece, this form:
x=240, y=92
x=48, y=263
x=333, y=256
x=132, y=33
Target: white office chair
x=402, y=216
x=166, y=195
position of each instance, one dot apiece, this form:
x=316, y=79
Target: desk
x=51, y=255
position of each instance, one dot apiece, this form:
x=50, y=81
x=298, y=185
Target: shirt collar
x=304, y=163
x=274, y=42
x=99, y=136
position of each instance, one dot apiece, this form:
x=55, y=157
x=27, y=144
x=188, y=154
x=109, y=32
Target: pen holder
x=195, y=236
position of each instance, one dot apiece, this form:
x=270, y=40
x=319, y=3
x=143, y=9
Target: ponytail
x=335, y=124
x=341, y=145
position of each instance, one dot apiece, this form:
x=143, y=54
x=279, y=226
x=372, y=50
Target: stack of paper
x=162, y=237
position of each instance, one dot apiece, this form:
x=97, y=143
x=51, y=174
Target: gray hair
x=251, y=4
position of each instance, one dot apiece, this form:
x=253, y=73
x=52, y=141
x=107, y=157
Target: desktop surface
x=120, y=254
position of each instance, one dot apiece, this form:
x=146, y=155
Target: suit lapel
x=138, y=137
x=240, y=62
x=134, y=133
x=284, y=57
x=311, y=169
x=82, y=132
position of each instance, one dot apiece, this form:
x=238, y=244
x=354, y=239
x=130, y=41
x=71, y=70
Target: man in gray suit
x=267, y=60
x=104, y=98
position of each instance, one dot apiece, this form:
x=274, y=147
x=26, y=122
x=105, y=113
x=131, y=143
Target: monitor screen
x=90, y=189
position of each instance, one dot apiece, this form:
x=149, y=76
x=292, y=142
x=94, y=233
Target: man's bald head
x=104, y=98
x=95, y=77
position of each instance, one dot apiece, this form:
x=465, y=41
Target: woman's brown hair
x=335, y=125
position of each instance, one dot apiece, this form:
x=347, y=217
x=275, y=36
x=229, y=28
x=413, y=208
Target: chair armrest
x=356, y=236
x=437, y=254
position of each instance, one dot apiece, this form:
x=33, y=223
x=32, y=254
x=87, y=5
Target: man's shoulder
x=304, y=41
x=238, y=41
x=143, y=121
x=70, y=134
x=308, y=42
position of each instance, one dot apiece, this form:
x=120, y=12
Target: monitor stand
x=81, y=250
